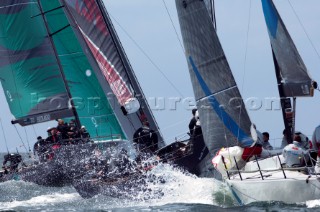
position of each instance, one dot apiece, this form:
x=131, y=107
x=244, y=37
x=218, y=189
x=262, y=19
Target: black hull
x=131, y=186
x=192, y=158
x=46, y=174
x=67, y=165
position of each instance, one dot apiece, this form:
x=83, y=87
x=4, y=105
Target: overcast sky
x=148, y=24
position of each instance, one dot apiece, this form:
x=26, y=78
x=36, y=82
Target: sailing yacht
x=47, y=76
x=293, y=81
x=67, y=56
x=227, y=126
x=102, y=46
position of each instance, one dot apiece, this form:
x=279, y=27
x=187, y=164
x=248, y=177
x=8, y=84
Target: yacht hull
x=68, y=164
x=274, y=183
x=295, y=188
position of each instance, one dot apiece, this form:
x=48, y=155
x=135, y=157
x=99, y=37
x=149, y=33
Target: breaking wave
x=179, y=190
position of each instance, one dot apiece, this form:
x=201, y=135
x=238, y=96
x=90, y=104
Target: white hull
x=296, y=187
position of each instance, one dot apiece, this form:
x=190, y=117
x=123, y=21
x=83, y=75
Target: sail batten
x=224, y=119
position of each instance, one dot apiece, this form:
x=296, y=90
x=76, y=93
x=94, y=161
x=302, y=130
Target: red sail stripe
x=117, y=84
x=91, y=12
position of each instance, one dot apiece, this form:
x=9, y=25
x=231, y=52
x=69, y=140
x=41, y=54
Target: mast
x=59, y=64
x=285, y=102
x=294, y=116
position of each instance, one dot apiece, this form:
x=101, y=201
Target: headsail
x=223, y=116
x=294, y=78
x=106, y=55
x=29, y=72
x=292, y=75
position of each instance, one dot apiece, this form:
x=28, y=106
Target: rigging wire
x=4, y=136
x=147, y=56
x=245, y=63
x=34, y=131
x=305, y=31
x=25, y=131
x=20, y=138
x=175, y=29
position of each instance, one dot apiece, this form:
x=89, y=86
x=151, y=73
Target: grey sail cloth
x=210, y=7
x=294, y=78
x=99, y=40
x=224, y=119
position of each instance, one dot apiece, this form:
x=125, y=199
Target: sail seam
x=218, y=92
x=225, y=118
x=218, y=59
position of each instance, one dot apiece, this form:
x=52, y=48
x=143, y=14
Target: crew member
x=316, y=146
x=193, y=122
x=40, y=148
x=284, y=141
x=14, y=160
x=53, y=141
x=72, y=131
x=266, y=145
x=145, y=139
x=294, y=154
x=63, y=129
x=84, y=134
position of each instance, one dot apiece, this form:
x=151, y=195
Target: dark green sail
x=93, y=108
x=29, y=73
x=31, y=70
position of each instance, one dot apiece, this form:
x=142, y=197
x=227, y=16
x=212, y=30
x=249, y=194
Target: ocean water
x=181, y=192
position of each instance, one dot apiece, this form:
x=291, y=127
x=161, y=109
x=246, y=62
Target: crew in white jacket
x=315, y=146
x=294, y=154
